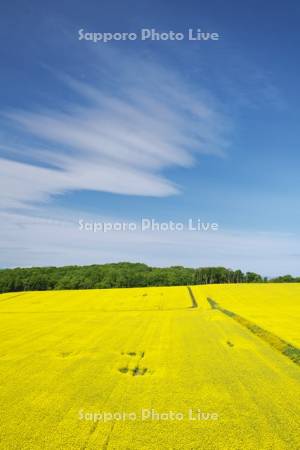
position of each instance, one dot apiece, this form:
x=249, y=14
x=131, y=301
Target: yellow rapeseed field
x=275, y=307
x=145, y=369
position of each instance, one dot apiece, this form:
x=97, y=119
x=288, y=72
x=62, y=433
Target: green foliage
x=286, y=279
x=119, y=275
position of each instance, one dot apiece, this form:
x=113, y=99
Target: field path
x=193, y=298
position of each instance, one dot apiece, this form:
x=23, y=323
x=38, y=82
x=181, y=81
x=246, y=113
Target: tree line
x=121, y=275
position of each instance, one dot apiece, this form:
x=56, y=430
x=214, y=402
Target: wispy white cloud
x=120, y=139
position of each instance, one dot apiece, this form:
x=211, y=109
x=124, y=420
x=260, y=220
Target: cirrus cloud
x=120, y=139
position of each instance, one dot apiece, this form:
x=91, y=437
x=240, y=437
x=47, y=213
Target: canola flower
x=150, y=356
x=273, y=306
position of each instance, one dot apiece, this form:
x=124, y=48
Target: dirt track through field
x=193, y=298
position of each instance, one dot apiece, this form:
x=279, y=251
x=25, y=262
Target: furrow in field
x=193, y=298
x=292, y=352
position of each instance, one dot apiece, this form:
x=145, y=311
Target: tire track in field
x=133, y=340
x=11, y=296
x=284, y=347
x=193, y=298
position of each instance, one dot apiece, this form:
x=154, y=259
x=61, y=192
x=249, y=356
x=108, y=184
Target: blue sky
x=162, y=129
